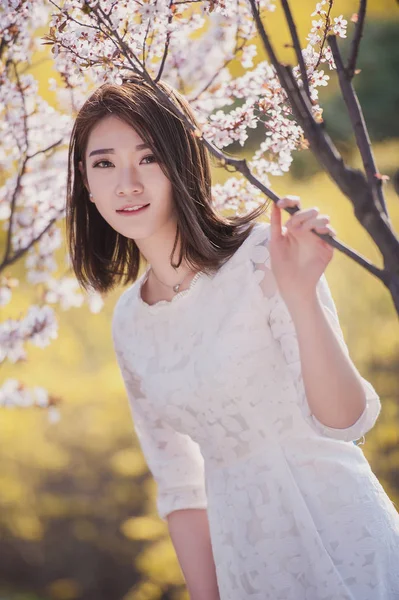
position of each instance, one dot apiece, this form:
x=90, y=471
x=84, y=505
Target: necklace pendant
x=176, y=287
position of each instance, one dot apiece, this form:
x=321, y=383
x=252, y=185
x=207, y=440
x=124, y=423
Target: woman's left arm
x=336, y=393
x=333, y=386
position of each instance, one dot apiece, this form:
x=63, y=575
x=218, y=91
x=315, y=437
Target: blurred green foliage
x=377, y=85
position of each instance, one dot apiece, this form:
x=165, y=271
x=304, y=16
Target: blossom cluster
x=90, y=46
x=33, y=188
x=98, y=41
x=39, y=326
x=13, y=394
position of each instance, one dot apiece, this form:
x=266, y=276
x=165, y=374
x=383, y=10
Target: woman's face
x=121, y=173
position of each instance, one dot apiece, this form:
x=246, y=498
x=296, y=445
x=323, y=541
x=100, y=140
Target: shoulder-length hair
x=102, y=257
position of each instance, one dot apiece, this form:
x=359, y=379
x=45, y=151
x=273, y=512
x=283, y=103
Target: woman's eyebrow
x=112, y=150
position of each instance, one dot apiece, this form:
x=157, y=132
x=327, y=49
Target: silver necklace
x=175, y=287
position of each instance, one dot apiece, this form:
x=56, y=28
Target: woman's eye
x=149, y=156
x=101, y=161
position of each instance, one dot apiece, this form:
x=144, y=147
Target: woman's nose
x=130, y=184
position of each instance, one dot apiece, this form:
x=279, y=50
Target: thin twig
x=361, y=16
x=128, y=53
x=45, y=149
x=68, y=16
x=22, y=169
x=297, y=46
x=359, y=125
x=38, y=63
x=167, y=42
x=145, y=40
x=7, y=261
x=331, y=2
x=12, y=212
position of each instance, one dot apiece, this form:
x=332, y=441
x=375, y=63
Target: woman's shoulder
x=252, y=250
x=255, y=242
x=260, y=232
x=123, y=306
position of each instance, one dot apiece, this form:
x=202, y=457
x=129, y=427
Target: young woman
x=244, y=397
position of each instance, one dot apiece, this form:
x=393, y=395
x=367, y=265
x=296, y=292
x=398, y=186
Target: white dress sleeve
x=173, y=458
x=283, y=330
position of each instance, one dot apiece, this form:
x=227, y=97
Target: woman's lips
x=132, y=212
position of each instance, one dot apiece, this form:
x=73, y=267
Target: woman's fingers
x=315, y=223
x=307, y=219
x=301, y=216
x=289, y=201
x=319, y=224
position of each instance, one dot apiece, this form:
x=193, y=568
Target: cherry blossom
x=319, y=9
x=107, y=40
x=15, y=395
x=34, y=137
x=340, y=26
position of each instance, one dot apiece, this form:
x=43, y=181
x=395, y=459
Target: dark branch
x=128, y=53
x=297, y=46
x=361, y=15
x=44, y=150
x=358, y=124
x=351, y=182
x=145, y=39
x=9, y=260
x=165, y=54
x=21, y=171
x=12, y=212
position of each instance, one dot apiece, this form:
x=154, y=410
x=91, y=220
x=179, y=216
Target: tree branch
x=297, y=46
x=7, y=258
x=44, y=150
x=358, y=125
x=361, y=15
x=165, y=54
x=330, y=5
x=351, y=182
x=7, y=261
x=145, y=40
x=114, y=33
x=22, y=169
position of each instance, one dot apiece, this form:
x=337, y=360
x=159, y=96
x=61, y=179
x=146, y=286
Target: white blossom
x=340, y=26
x=65, y=292
x=226, y=107
x=5, y=295
x=40, y=325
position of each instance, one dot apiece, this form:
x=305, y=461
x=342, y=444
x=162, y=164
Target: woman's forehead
x=111, y=132
x=113, y=125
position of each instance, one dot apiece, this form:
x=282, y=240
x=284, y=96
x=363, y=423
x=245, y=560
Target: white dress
x=218, y=403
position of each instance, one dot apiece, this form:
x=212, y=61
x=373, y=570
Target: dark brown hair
x=100, y=256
